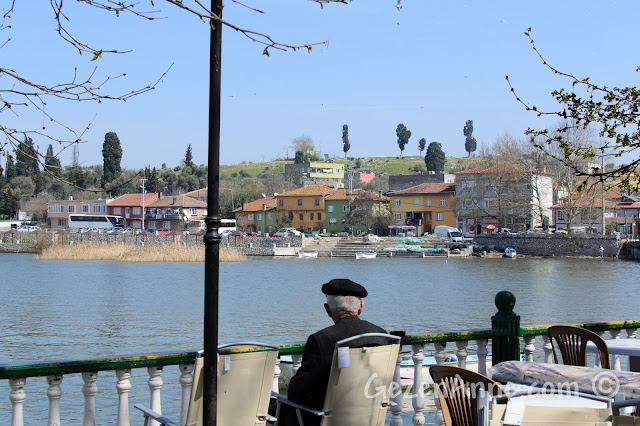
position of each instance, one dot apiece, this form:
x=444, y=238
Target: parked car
x=114, y=229
x=151, y=230
x=163, y=231
x=28, y=228
x=285, y=232
x=94, y=230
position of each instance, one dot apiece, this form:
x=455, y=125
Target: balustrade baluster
x=275, y=386
x=529, y=347
x=462, y=353
x=547, y=346
x=418, y=384
x=440, y=356
x=89, y=389
x=297, y=362
x=615, y=334
x=123, y=386
x=396, y=394
x=482, y=353
x=631, y=332
x=17, y=397
x=54, y=393
x=155, y=384
x=186, y=381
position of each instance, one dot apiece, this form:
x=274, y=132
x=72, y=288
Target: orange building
x=425, y=206
x=304, y=208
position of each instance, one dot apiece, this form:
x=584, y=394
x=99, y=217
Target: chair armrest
x=149, y=413
x=285, y=400
x=617, y=405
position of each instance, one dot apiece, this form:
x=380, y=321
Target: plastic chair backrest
x=458, y=392
x=244, y=388
x=572, y=342
x=359, y=394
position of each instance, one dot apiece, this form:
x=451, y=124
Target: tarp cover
x=592, y=380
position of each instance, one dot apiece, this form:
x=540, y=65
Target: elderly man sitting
x=309, y=385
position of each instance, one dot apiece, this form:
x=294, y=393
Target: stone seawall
x=552, y=244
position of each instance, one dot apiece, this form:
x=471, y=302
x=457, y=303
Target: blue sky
x=431, y=66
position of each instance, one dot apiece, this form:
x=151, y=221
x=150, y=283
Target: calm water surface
x=59, y=310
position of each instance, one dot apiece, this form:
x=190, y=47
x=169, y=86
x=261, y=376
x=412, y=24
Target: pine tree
x=346, y=146
x=435, y=158
x=10, y=168
x=52, y=163
x=111, y=155
x=27, y=158
x=188, y=158
x=470, y=143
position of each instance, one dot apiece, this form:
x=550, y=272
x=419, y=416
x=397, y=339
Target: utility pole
x=143, y=181
x=602, y=183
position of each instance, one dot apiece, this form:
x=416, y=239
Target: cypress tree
x=111, y=155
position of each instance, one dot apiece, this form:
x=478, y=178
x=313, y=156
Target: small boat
x=370, y=255
x=510, y=252
x=307, y=254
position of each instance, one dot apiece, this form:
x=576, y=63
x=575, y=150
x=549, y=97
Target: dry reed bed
x=131, y=253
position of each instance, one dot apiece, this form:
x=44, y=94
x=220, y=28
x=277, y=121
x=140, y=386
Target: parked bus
x=226, y=226
x=78, y=222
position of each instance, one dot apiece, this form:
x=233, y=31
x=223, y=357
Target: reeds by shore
x=133, y=253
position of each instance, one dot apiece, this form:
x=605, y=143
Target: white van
x=448, y=232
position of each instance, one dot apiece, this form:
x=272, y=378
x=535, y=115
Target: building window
x=270, y=228
x=99, y=208
x=311, y=216
x=192, y=211
x=344, y=208
x=55, y=208
x=561, y=215
x=397, y=216
x=337, y=170
x=269, y=216
x=166, y=224
x=71, y=209
x=317, y=202
x=62, y=222
x=468, y=204
x=416, y=201
x=299, y=202
x=136, y=211
x=427, y=203
x=85, y=208
x=330, y=209
x=259, y=216
x=260, y=229
x=301, y=216
x=333, y=220
x=281, y=203
x=396, y=203
x=429, y=217
x=443, y=201
x=439, y=216
x=116, y=210
x=319, y=216
x=239, y=218
x=151, y=224
x=250, y=216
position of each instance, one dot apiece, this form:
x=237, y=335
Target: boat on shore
x=307, y=254
x=370, y=255
x=510, y=252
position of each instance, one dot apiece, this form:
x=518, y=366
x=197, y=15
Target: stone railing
x=505, y=337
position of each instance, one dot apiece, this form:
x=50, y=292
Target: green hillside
x=380, y=165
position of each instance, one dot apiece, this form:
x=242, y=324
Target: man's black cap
x=343, y=287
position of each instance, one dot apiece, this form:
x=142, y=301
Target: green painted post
x=506, y=348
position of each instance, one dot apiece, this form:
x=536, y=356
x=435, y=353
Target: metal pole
x=143, y=181
x=212, y=237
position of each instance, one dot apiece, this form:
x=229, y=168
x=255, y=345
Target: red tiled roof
x=257, y=205
x=198, y=193
x=316, y=189
x=587, y=202
x=177, y=201
x=134, y=200
x=425, y=188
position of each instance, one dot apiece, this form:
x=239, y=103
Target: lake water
x=60, y=310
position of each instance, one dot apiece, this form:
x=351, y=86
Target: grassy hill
x=380, y=165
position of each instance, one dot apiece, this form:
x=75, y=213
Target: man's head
x=343, y=298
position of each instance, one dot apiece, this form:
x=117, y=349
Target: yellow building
x=303, y=208
x=425, y=206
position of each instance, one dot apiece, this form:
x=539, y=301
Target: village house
x=303, y=208
x=257, y=216
x=340, y=203
x=131, y=207
x=174, y=212
x=424, y=206
x=314, y=172
x=58, y=211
